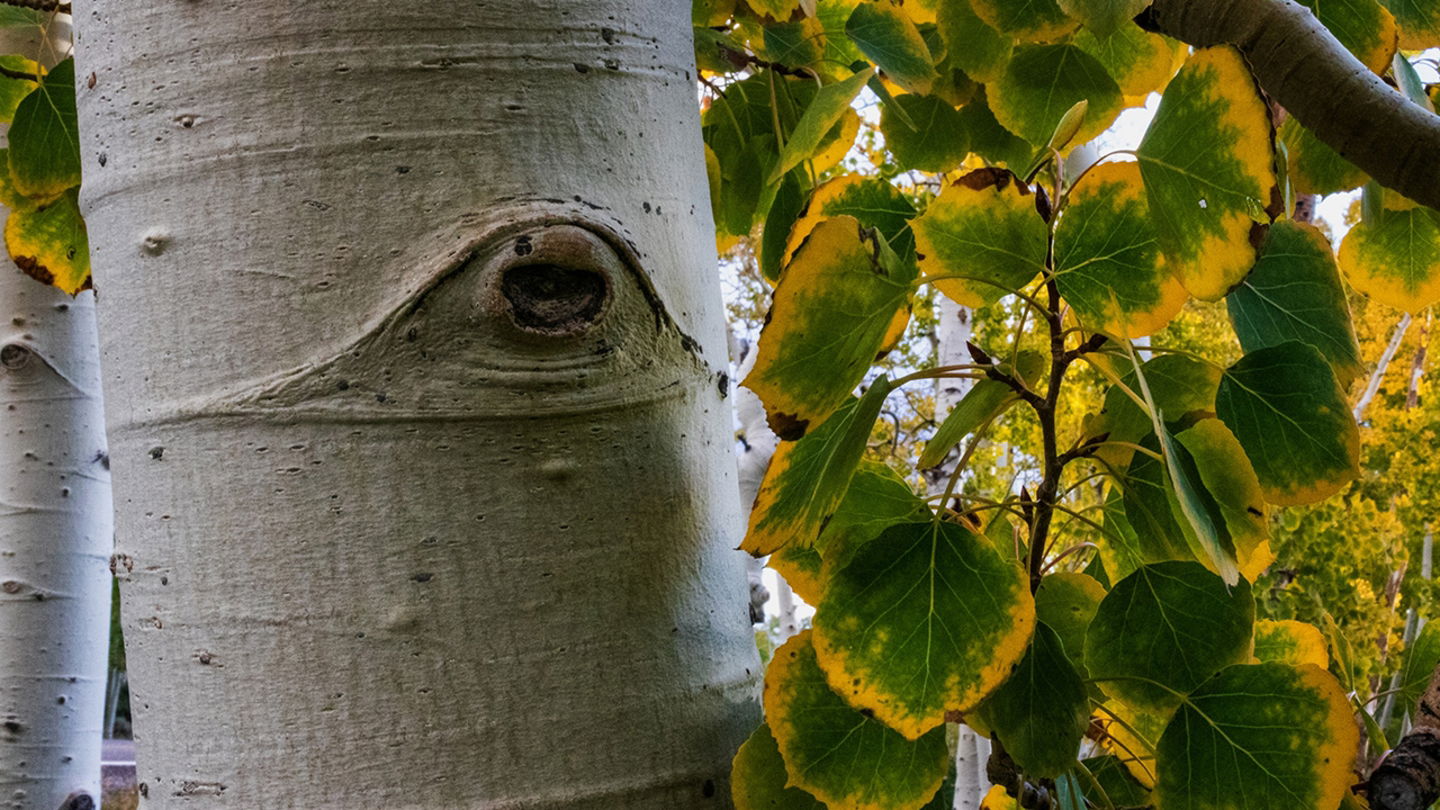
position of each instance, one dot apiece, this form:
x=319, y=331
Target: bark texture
x=1309, y=73
x=414, y=356
x=1409, y=777
x=55, y=532
x=55, y=541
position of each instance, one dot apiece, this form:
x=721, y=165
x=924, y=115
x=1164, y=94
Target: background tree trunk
x=414, y=354
x=55, y=532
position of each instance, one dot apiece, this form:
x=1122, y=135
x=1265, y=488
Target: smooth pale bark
x=415, y=385
x=55, y=532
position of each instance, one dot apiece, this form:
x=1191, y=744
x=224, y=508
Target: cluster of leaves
x=933, y=609
x=40, y=171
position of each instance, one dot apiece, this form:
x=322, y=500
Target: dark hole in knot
x=554, y=300
x=14, y=356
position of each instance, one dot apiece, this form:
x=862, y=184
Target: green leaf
x=787, y=206
x=1263, y=737
x=1419, y=22
x=1042, y=82
x=740, y=128
x=758, y=780
x=925, y=618
x=1294, y=293
x=1025, y=20
x=1107, y=258
x=798, y=43
x=1041, y=712
x=1165, y=629
x=1395, y=258
x=883, y=33
x=845, y=757
x=985, y=400
x=984, y=226
x=1364, y=27
x=1292, y=642
x=1181, y=387
x=820, y=116
x=16, y=17
x=807, y=479
x=1290, y=415
x=1140, y=62
x=1149, y=509
x=44, y=137
x=775, y=9
x=936, y=143
x=1116, y=787
x=971, y=44
x=1104, y=16
x=875, y=203
x=834, y=309
x=1208, y=164
x=876, y=499
x=1421, y=658
x=1232, y=492
x=49, y=243
x=989, y=140
x=1066, y=602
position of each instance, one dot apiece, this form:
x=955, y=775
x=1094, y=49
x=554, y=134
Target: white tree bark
x=55, y=536
x=414, y=356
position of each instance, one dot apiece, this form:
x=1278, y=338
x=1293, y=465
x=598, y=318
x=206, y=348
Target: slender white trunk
x=757, y=446
x=55, y=539
x=1378, y=376
x=414, y=363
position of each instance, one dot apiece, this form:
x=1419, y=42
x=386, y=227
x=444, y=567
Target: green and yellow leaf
x=1181, y=387
x=775, y=9
x=1421, y=658
x=1108, y=264
x=821, y=739
x=833, y=311
x=49, y=243
x=1208, y=164
x=807, y=479
x=1114, y=785
x=971, y=44
x=12, y=88
x=875, y=203
x=1419, y=22
x=1366, y=28
x=1287, y=410
x=1164, y=630
x=1026, y=20
x=1294, y=293
x=1290, y=642
x=1042, y=82
x=885, y=34
x=984, y=227
x=996, y=144
x=44, y=137
x=1041, y=712
x=1395, y=258
x=1132, y=735
x=1140, y=62
x=876, y=499
x=1104, y=17
x=797, y=43
x=926, y=618
x=1259, y=736
x=758, y=780
x=1313, y=166
x=1230, y=483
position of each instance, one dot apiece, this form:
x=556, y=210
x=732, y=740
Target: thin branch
x=1342, y=102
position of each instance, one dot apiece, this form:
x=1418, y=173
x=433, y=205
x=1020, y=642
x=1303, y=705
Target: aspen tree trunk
x=414, y=364
x=55, y=532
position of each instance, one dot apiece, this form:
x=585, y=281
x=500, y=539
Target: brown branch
x=45, y=6
x=1409, y=777
x=1309, y=73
